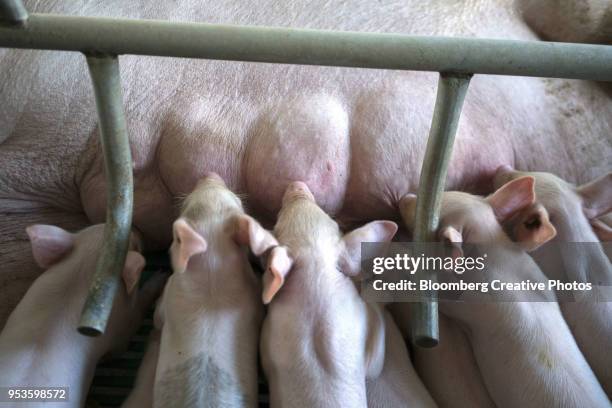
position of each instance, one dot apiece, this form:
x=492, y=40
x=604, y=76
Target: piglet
x=320, y=340
x=571, y=211
x=210, y=312
x=448, y=370
x=398, y=384
x=40, y=346
x=524, y=350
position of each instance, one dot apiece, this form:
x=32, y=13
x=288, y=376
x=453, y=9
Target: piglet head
x=308, y=234
x=213, y=221
x=51, y=245
x=214, y=211
x=452, y=222
x=561, y=201
x=70, y=260
x=312, y=247
x=448, y=233
x=464, y=216
x=524, y=220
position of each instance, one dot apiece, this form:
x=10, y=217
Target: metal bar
x=452, y=89
x=13, y=12
x=104, y=71
x=312, y=47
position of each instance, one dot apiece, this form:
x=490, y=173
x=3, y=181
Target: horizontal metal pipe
x=13, y=12
x=312, y=47
x=104, y=71
x=449, y=101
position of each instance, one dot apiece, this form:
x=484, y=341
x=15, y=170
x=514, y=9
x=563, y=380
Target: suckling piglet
x=524, y=350
x=210, y=312
x=448, y=370
x=576, y=252
x=320, y=340
x=398, y=384
x=40, y=345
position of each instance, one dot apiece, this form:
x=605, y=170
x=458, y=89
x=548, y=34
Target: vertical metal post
x=104, y=71
x=13, y=12
x=452, y=89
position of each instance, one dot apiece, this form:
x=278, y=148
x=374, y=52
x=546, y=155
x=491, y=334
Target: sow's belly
x=358, y=147
x=356, y=136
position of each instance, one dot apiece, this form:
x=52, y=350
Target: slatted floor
x=114, y=378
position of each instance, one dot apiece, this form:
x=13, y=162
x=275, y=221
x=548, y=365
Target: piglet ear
x=597, y=196
x=279, y=265
x=49, y=244
x=187, y=243
x=531, y=227
x=602, y=229
x=250, y=232
x=134, y=264
x=452, y=237
x=512, y=197
x=375, y=231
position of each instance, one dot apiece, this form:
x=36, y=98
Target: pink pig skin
x=321, y=343
x=571, y=210
x=211, y=311
x=524, y=350
x=40, y=345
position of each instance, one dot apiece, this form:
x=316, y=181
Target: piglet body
x=448, y=370
x=398, y=384
x=320, y=340
x=210, y=312
x=570, y=210
x=40, y=346
x=524, y=350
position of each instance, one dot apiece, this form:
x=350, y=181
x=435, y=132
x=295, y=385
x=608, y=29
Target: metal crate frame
x=101, y=40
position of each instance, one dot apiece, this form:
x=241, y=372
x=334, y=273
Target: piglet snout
x=298, y=189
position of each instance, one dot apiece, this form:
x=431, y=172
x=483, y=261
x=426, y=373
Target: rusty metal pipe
x=104, y=72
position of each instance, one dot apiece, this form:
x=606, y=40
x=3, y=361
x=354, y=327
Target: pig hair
x=244, y=199
x=179, y=200
x=199, y=382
